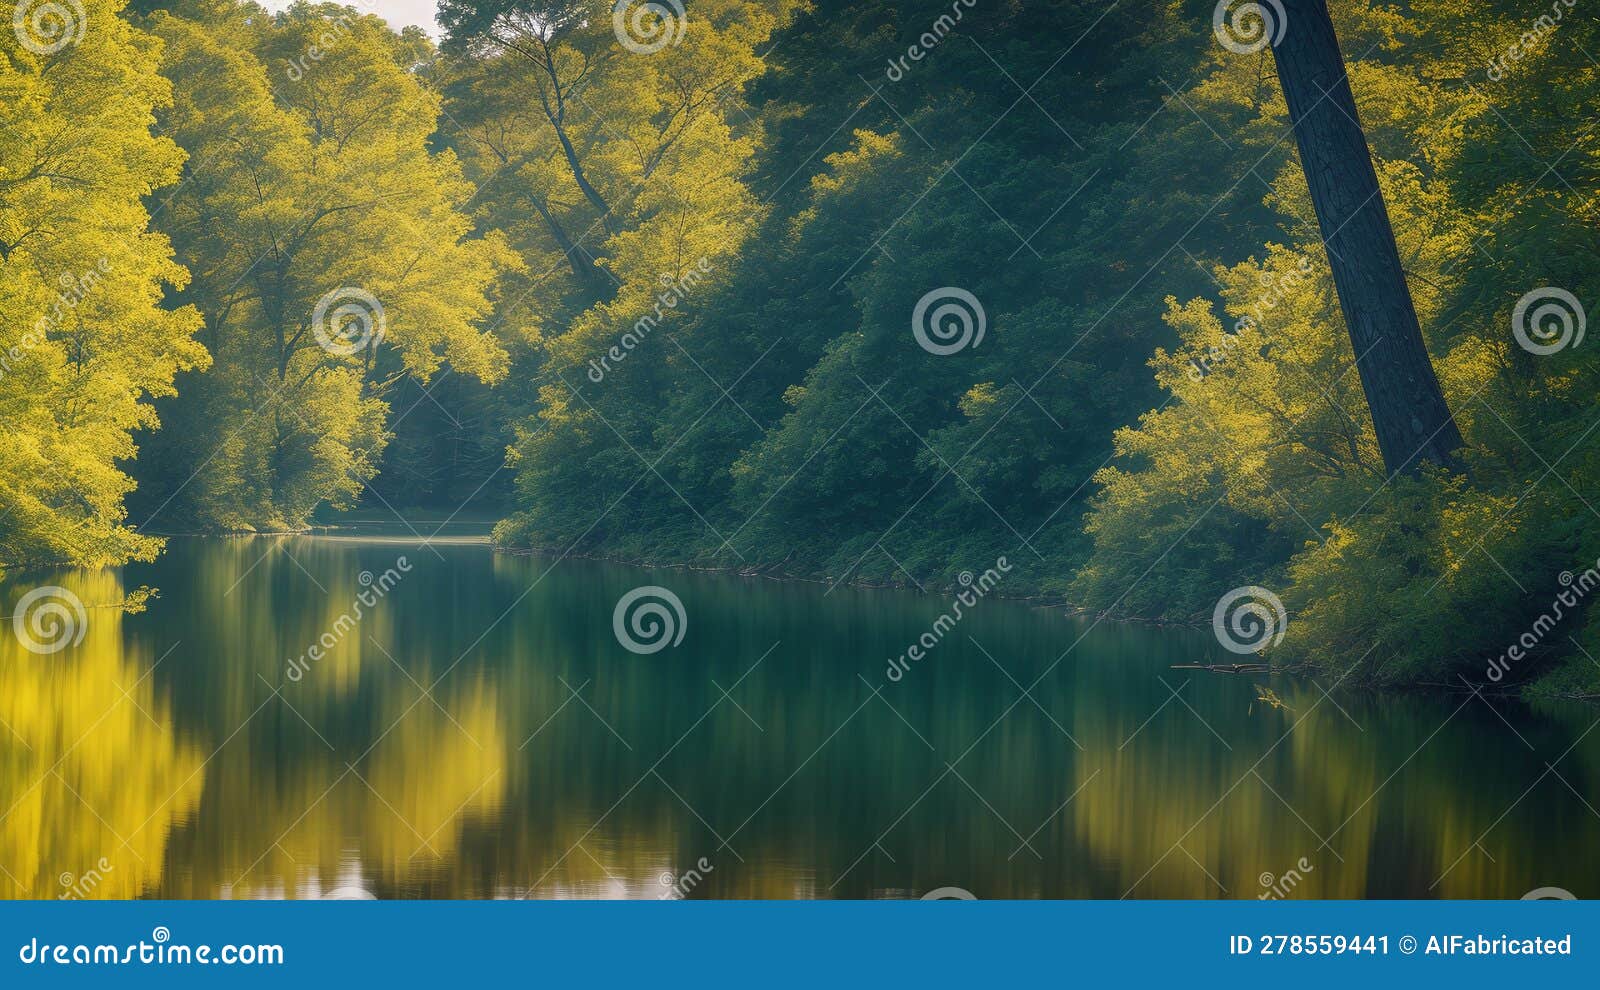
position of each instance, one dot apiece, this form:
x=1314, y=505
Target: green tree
x=1263, y=467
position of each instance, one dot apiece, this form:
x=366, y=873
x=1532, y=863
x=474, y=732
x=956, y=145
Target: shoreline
x=768, y=571
x=1425, y=688
x=772, y=572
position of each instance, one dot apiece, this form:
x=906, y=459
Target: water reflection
x=93, y=778
x=478, y=732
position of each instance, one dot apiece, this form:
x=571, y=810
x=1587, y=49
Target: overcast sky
x=398, y=13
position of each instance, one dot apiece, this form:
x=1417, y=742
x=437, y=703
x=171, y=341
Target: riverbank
x=1431, y=687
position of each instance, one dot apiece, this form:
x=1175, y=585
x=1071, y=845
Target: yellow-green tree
x=84, y=341
x=330, y=251
x=614, y=145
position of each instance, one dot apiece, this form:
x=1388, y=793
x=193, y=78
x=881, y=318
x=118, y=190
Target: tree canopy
x=838, y=290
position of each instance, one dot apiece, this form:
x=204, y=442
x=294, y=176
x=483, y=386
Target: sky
x=398, y=13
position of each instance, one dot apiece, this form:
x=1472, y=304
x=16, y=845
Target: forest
x=838, y=290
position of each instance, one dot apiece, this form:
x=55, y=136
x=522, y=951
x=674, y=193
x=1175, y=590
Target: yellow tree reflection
x=92, y=776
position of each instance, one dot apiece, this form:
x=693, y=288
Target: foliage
x=315, y=183
x=1265, y=446
x=787, y=414
x=84, y=343
x=675, y=288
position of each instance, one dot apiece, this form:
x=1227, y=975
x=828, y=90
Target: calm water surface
x=480, y=732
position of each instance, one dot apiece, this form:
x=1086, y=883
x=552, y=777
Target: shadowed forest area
x=841, y=290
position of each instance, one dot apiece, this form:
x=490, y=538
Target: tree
x=593, y=133
x=1409, y=414
x=618, y=170
x=331, y=256
x=84, y=341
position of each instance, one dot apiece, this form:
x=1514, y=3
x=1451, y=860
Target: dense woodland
x=654, y=301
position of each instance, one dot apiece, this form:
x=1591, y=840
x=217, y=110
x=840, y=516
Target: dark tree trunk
x=1408, y=410
x=579, y=258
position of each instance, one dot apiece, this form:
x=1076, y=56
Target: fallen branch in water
x=1229, y=668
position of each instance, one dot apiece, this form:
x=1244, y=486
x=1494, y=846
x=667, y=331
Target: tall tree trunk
x=1409, y=413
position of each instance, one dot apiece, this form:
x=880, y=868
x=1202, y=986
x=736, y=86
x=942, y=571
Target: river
x=364, y=713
